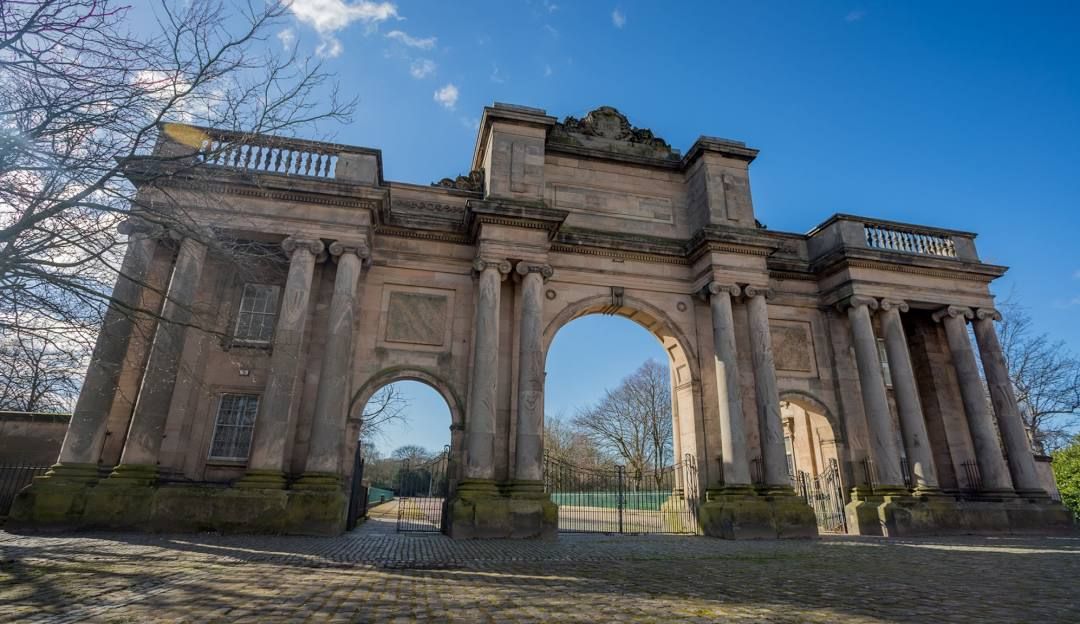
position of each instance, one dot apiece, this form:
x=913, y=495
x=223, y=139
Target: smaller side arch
x=409, y=373
x=811, y=403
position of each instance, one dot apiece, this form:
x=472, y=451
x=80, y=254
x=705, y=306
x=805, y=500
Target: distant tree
x=1045, y=377
x=633, y=421
x=568, y=443
x=412, y=453
x=1066, y=464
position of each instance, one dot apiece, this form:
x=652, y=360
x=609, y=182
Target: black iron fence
x=614, y=499
x=13, y=478
x=422, y=491
x=358, y=493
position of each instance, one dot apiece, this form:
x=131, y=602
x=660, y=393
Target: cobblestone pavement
x=375, y=575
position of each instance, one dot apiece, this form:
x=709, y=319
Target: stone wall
x=27, y=438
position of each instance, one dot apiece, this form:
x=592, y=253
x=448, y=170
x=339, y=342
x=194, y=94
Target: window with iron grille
x=235, y=422
x=884, y=357
x=258, y=311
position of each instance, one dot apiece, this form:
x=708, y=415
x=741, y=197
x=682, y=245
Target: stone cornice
x=949, y=268
x=729, y=240
x=397, y=231
x=530, y=215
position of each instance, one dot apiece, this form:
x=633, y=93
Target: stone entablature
x=378, y=281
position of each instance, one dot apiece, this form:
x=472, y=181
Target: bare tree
x=412, y=453
x=633, y=421
x=37, y=375
x=388, y=404
x=83, y=96
x=1045, y=377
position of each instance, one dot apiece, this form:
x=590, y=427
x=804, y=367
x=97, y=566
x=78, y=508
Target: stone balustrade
x=908, y=241
x=269, y=154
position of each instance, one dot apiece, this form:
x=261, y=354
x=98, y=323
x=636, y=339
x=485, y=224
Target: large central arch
x=688, y=435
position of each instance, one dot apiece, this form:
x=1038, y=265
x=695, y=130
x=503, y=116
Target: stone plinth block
x=905, y=516
x=480, y=511
x=739, y=515
x=51, y=501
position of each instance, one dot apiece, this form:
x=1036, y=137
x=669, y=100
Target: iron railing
x=358, y=493
x=973, y=481
x=613, y=499
x=13, y=478
x=825, y=495
x=422, y=491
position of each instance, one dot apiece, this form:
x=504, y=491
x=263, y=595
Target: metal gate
x=614, y=499
x=421, y=492
x=358, y=494
x=825, y=494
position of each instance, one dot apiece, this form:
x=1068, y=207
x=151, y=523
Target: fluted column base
x=319, y=481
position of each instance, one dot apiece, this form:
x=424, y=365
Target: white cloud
x=329, y=16
x=422, y=68
x=287, y=37
x=447, y=96
x=495, y=77
x=618, y=18
x=547, y=71
x=550, y=6
x=412, y=42
x=855, y=16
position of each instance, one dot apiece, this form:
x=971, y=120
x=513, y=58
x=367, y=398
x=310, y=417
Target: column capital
x=752, y=291
x=858, y=301
x=138, y=227
x=359, y=248
x=953, y=312
x=715, y=288
x=523, y=268
x=502, y=265
x=987, y=313
x=293, y=244
x=890, y=304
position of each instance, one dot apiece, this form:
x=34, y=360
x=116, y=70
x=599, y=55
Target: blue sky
x=955, y=114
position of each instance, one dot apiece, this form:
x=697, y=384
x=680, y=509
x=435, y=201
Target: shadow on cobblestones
x=381, y=577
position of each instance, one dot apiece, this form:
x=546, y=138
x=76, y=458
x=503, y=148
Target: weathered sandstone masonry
x=232, y=401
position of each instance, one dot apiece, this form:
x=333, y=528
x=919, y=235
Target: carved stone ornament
x=758, y=291
x=503, y=266
x=524, y=268
x=313, y=245
x=473, y=182
x=855, y=301
x=605, y=128
x=953, y=312
x=987, y=313
x=899, y=304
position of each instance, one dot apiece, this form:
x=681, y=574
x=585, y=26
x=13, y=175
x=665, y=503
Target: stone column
x=484, y=377
x=1010, y=424
x=138, y=463
x=768, y=399
x=993, y=472
x=81, y=449
x=912, y=421
x=732, y=435
x=883, y=447
x=529, y=458
x=323, y=467
x=274, y=423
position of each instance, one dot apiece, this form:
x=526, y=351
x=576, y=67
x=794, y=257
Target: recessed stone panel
x=416, y=318
x=611, y=204
x=793, y=346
